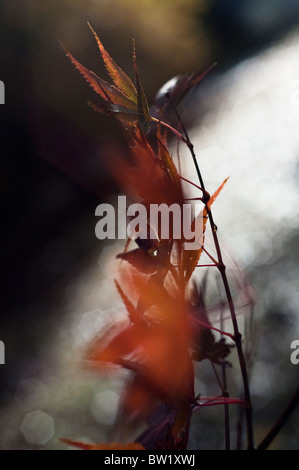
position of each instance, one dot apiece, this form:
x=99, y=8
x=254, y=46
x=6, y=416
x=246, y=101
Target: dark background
x=53, y=146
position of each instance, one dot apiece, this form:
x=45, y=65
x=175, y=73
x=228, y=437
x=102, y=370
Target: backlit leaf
x=120, y=78
x=107, y=91
x=143, y=108
x=123, y=99
x=134, y=316
x=191, y=257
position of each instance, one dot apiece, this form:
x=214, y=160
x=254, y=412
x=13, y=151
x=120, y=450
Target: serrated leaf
x=165, y=157
x=191, y=257
x=143, y=108
x=107, y=91
x=122, y=99
x=119, y=77
x=148, y=175
x=216, y=193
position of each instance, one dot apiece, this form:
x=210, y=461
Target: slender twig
x=210, y=327
x=280, y=422
x=240, y=416
x=206, y=265
x=224, y=381
x=239, y=426
x=193, y=199
x=222, y=270
x=220, y=384
x=168, y=126
x=199, y=265
x=210, y=256
x=219, y=401
x=191, y=182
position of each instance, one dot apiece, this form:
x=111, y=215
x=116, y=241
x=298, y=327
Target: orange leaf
x=121, y=346
x=167, y=160
x=216, y=193
x=123, y=99
x=153, y=353
x=134, y=315
x=120, y=78
x=147, y=175
x=107, y=91
x=142, y=103
x=104, y=446
x=191, y=257
x=138, y=399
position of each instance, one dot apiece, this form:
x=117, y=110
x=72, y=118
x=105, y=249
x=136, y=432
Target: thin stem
x=224, y=401
x=210, y=256
x=280, y=422
x=242, y=362
x=222, y=269
x=168, y=126
x=179, y=158
x=220, y=401
x=224, y=381
x=198, y=265
x=239, y=426
x=226, y=411
x=206, y=266
x=190, y=182
x=248, y=334
x=193, y=199
x=210, y=327
x=217, y=377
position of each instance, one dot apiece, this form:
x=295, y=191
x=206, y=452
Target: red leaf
x=134, y=315
x=107, y=91
x=142, y=103
x=120, y=78
x=123, y=99
x=152, y=352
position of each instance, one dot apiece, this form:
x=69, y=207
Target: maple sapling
x=170, y=325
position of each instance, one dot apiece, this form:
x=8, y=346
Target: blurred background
x=56, y=276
